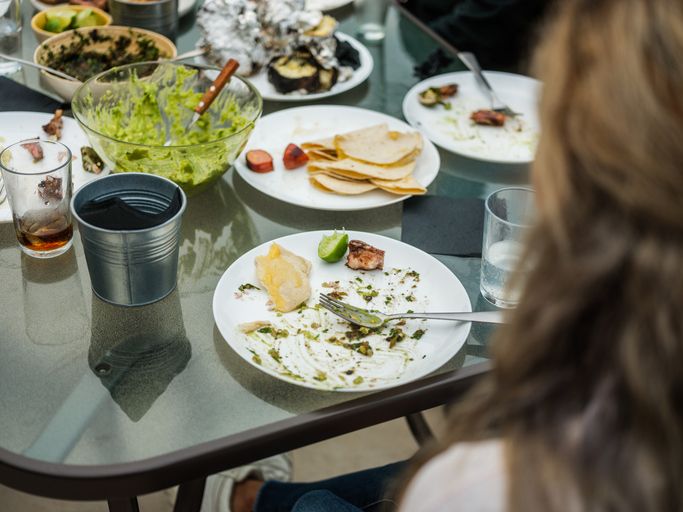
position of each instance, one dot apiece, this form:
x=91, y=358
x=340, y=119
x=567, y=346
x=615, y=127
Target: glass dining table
x=105, y=402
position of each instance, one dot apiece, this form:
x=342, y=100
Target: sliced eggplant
x=294, y=72
x=300, y=71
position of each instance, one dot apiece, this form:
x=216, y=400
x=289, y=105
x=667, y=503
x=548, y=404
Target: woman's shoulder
x=471, y=475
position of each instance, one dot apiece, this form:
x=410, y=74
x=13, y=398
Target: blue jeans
x=364, y=491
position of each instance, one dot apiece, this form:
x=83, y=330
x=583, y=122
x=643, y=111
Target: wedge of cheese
x=285, y=276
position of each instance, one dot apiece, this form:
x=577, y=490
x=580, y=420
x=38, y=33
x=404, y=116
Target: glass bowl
x=127, y=113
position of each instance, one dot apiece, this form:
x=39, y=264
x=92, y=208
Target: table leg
x=190, y=496
x=123, y=505
x=419, y=428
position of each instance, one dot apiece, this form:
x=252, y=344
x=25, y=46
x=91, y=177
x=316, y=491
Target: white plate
x=267, y=90
x=184, y=6
x=16, y=126
x=326, y=5
x=437, y=290
x=453, y=130
x=296, y=125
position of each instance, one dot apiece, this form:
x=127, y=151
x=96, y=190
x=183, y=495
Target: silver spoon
x=39, y=66
x=60, y=74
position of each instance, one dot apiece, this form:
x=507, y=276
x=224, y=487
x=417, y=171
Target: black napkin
x=435, y=63
x=444, y=225
x=15, y=96
x=115, y=213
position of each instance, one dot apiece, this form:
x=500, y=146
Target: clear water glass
x=508, y=216
x=10, y=35
x=371, y=16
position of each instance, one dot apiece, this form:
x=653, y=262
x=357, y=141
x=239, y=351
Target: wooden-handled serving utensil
x=212, y=92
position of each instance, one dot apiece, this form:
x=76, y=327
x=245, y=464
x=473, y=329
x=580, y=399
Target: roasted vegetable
x=259, y=160
x=294, y=157
x=438, y=95
x=488, y=118
x=300, y=71
x=91, y=160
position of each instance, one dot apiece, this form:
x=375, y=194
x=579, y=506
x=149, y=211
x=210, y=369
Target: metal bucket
x=158, y=15
x=131, y=267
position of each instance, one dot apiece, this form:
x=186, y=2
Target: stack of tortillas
x=363, y=160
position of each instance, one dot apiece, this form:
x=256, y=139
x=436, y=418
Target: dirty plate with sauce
x=450, y=126
x=311, y=347
x=16, y=126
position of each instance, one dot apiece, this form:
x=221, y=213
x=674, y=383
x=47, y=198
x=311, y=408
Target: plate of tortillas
x=357, y=159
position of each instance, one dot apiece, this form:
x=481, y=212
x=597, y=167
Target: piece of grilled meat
x=488, y=117
x=54, y=126
x=363, y=256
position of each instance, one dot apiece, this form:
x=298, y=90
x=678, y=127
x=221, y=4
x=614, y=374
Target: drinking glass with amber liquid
x=37, y=176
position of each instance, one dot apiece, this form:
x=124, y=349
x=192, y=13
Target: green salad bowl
x=129, y=111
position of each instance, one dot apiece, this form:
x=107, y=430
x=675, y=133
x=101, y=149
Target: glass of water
x=10, y=35
x=371, y=15
x=508, y=216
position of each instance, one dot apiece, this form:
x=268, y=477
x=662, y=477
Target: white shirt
x=468, y=477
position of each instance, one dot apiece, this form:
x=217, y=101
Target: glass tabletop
x=85, y=382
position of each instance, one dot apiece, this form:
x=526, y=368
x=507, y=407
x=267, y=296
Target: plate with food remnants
x=337, y=158
x=452, y=111
x=266, y=308
x=289, y=53
x=16, y=126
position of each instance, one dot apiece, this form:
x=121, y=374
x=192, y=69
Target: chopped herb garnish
x=395, y=335
x=358, y=380
x=256, y=358
x=274, y=354
x=320, y=376
x=411, y=298
x=265, y=330
x=418, y=334
x=362, y=348
x=248, y=286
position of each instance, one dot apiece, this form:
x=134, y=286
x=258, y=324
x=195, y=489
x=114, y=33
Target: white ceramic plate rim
x=411, y=98
x=326, y=5
x=227, y=329
x=184, y=6
x=78, y=175
x=429, y=153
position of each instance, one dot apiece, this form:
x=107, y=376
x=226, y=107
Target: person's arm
x=498, y=32
x=470, y=476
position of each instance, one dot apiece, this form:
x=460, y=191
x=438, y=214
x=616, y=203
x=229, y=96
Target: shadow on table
x=53, y=301
x=216, y=230
x=305, y=219
x=476, y=170
x=137, y=351
x=289, y=397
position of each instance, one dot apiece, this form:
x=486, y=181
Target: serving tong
x=471, y=62
x=209, y=96
x=374, y=319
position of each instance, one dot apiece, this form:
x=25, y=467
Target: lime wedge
x=86, y=18
x=58, y=21
x=333, y=247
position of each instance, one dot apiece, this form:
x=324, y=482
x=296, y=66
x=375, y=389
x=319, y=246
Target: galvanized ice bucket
x=131, y=267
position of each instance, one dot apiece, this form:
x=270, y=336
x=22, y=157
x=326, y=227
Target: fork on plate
x=374, y=319
x=471, y=62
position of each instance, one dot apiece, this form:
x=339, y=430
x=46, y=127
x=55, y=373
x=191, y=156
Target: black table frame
x=120, y=484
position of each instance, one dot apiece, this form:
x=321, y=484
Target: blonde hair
x=587, y=386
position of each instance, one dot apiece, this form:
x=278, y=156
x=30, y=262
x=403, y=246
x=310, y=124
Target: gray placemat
x=444, y=225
